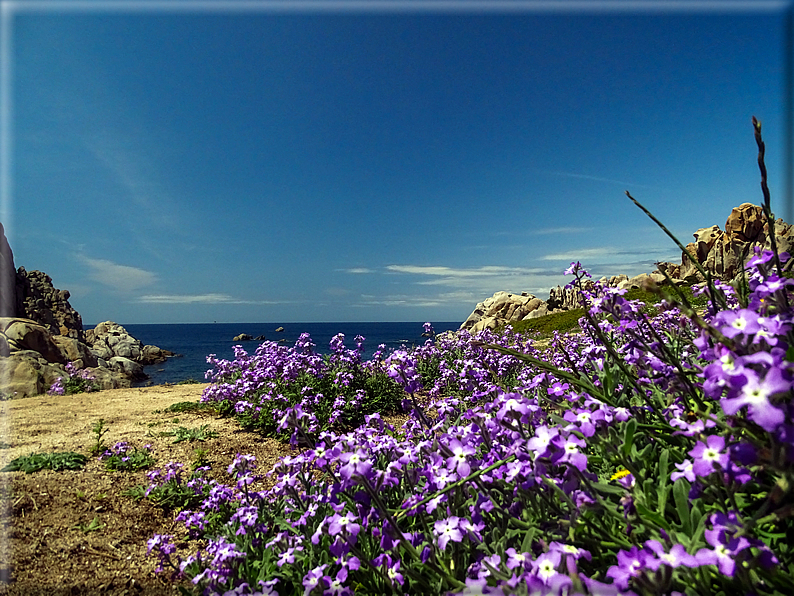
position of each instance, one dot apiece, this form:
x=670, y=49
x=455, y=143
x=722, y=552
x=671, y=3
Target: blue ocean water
x=196, y=341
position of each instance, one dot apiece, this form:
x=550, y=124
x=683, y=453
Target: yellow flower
x=619, y=474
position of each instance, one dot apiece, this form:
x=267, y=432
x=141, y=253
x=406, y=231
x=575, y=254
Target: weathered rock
x=279, y=329
x=641, y=281
x=242, y=337
x=541, y=311
x=108, y=378
x=38, y=300
x=75, y=352
x=37, y=356
x=485, y=323
x=40, y=332
x=154, y=355
x=24, y=334
x=500, y=309
x=19, y=377
x=109, y=339
x=724, y=254
x=565, y=298
x=23, y=374
x=128, y=367
x=260, y=338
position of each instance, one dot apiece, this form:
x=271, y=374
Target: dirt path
x=47, y=545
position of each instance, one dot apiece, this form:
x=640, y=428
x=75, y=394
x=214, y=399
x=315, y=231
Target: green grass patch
x=47, y=461
x=569, y=320
x=191, y=407
x=548, y=324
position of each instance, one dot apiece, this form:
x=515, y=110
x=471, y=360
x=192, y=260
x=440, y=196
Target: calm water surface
x=196, y=341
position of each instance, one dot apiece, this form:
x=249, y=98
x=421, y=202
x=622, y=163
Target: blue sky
x=189, y=162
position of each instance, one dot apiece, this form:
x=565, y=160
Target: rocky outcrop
x=20, y=335
x=725, y=253
x=243, y=337
x=25, y=373
x=36, y=358
x=498, y=308
x=40, y=333
x=503, y=308
x=110, y=340
x=722, y=253
x=38, y=300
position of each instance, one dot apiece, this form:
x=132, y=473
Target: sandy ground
x=45, y=547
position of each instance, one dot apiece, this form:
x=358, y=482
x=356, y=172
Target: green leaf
x=529, y=535
x=628, y=437
x=664, y=490
x=644, y=455
x=695, y=516
x=647, y=514
x=608, y=489
x=681, y=496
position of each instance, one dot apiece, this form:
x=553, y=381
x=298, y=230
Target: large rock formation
x=503, y=308
x=40, y=333
x=723, y=254
x=36, y=358
x=38, y=300
x=109, y=340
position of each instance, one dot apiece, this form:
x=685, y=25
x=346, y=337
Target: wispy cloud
x=447, y=299
x=472, y=285
x=560, y=230
x=487, y=271
x=118, y=277
x=550, y=231
x=622, y=183
x=357, y=270
x=198, y=299
x=582, y=254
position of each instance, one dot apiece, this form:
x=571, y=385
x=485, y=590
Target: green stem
x=698, y=266
x=403, y=512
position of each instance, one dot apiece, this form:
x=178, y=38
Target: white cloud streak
x=549, y=231
x=118, y=277
x=622, y=183
x=198, y=299
x=582, y=254
x=487, y=271
x=404, y=300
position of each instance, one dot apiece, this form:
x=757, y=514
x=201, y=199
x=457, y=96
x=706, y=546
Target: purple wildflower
x=709, y=455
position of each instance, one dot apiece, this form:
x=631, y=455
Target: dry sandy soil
x=46, y=546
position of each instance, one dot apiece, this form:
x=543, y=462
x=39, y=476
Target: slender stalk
x=770, y=217
x=690, y=256
x=454, y=485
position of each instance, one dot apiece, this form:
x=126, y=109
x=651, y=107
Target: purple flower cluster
x=649, y=454
x=293, y=393
x=77, y=381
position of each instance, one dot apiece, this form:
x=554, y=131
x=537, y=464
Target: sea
x=196, y=340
